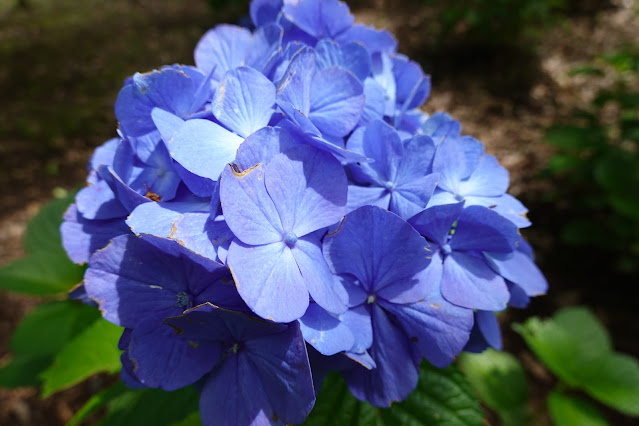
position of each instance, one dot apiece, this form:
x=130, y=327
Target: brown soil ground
x=65, y=61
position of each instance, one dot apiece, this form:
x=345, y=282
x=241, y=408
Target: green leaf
x=490, y=373
x=23, y=370
x=192, y=419
x=570, y=411
x=442, y=397
x=574, y=138
x=40, y=335
x=47, y=269
x=561, y=163
x=335, y=405
x=152, y=407
x=585, y=70
x=43, y=231
x=614, y=380
x=97, y=401
x=576, y=347
x=95, y=350
x=569, y=343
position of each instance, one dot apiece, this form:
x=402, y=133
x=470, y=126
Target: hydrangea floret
x=284, y=208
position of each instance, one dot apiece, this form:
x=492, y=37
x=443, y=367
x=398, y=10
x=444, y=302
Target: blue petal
x=374, y=40
x=308, y=188
x=436, y=222
x=222, y=48
x=440, y=126
x=298, y=130
x=381, y=143
x=264, y=11
x=158, y=218
x=295, y=86
x=396, y=373
x=129, y=198
x=521, y=270
x=163, y=359
x=248, y=209
x=375, y=102
x=82, y=237
x=244, y=101
x=359, y=196
x=320, y=18
x=262, y=146
x=489, y=327
x=417, y=159
x=265, y=48
x=203, y=147
x=377, y=247
x=506, y=205
x=269, y=280
x=518, y=297
x=103, y=155
x=97, y=201
x=131, y=281
x=482, y=229
x=168, y=89
x=267, y=380
x=447, y=163
x=413, y=86
x=167, y=124
x=437, y=328
x=352, y=56
x=317, y=277
x=411, y=198
x=468, y=282
x=336, y=101
x=325, y=332
x=489, y=179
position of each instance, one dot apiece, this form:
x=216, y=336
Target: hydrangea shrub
x=284, y=209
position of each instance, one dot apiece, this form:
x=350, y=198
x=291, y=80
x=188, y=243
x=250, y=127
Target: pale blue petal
x=317, y=277
x=244, y=101
x=336, y=101
x=248, y=209
x=359, y=196
x=325, y=332
x=308, y=188
x=268, y=279
x=489, y=179
x=520, y=269
x=222, y=48
x=468, y=282
x=204, y=148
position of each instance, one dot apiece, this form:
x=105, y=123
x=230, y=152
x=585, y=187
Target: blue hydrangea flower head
x=283, y=209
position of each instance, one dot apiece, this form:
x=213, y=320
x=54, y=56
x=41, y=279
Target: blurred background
x=550, y=86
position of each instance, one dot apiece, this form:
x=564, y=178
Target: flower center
x=371, y=299
x=290, y=238
x=183, y=300
x=389, y=186
x=447, y=249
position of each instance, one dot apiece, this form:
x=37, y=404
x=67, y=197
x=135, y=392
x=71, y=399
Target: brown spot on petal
x=237, y=173
x=178, y=330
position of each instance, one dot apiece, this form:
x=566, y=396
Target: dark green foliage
x=443, y=397
x=46, y=269
x=495, y=22
x=596, y=168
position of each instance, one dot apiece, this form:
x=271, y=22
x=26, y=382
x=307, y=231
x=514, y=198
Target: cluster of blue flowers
x=284, y=209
